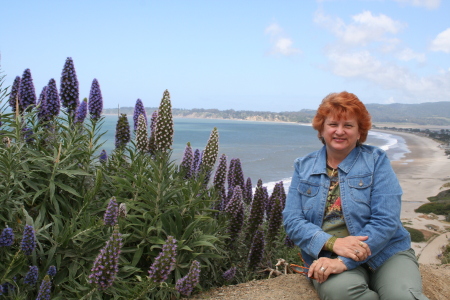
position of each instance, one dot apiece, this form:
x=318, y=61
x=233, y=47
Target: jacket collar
x=320, y=163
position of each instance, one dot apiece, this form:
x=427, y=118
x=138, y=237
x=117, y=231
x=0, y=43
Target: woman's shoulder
x=310, y=156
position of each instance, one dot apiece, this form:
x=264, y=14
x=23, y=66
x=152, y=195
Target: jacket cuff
x=317, y=242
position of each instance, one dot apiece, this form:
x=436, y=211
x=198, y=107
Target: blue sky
x=242, y=55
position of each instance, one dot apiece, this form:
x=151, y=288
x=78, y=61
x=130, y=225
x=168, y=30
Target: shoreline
x=421, y=173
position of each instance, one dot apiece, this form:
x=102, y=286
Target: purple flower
x=28, y=240
x=139, y=110
x=235, y=208
x=142, y=135
x=256, y=212
x=27, y=92
x=275, y=221
x=164, y=125
x=111, y=213
x=69, y=87
x=186, y=162
x=7, y=237
x=81, y=113
x=247, y=193
x=221, y=173
x=32, y=276
x=165, y=261
x=42, y=107
x=53, y=102
x=210, y=153
x=27, y=134
x=122, y=131
x=235, y=176
x=51, y=271
x=151, y=140
x=95, y=101
x=288, y=242
x=14, y=95
x=106, y=265
x=229, y=274
x=45, y=289
x=186, y=285
x=257, y=249
x=103, y=158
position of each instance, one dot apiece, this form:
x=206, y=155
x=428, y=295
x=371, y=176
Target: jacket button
x=308, y=191
x=361, y=183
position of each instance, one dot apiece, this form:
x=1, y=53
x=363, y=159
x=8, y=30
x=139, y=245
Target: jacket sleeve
x=385, y=206
x=305, y=234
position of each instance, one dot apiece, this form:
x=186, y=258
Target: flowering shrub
x=186, y=285
x=95, y=101
x=164, y=262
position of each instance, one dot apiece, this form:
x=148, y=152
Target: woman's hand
x=323, y=267
x=352, y=247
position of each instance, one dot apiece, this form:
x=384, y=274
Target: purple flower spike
x=151, y=140
x=45, y=289
x=257, y=250
x=111, y=213
x=95, y=101
x=51, y=271
x=69, y=87
x=103, y=158
x=165, y=261
x=196, y=163
x=275, y=221
x=256, y=212
x=186, y=285
x=32, y=276
x=53, y=102
x=42, y=105
x=7, y=237
x=14, y=96
x=229, y=274
x=106, y=265
x=27, y=92
x=247, y=193
x=139, y=110
x=81, y=113
x=235, y=208
x=28, y=241
x=221, y=173
x=164, y=124
x=122, y=131
x=186, y=162
x=142, y=135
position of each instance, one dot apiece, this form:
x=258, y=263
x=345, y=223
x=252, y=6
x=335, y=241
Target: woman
x=343, y=211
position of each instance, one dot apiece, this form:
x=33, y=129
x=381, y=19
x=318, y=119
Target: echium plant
x=275, y=221
x=221, y=173
x=235, y=209
x=235, y=176
x=27, y=93
x=106, y=265
x=247, y=193
x=256, y=213
x=42, y=107
x=95, y=101
x=229, y=274
x=69, y=90
x=257, y=249
x=164, y=124
x=53, y=101
x=28, y=242
x=186, y=285
x=210, y=153
x=14, y=95
x=103, y=158
x=139, y=110
x=111, y=213
x=186, y=162
x=165, y=261
x=32, y=275
x=7, y=237
x=141, y=135
x=45, y=289
x=122, y=132
x=196, y=163
x=81, y=113
x=151, y=140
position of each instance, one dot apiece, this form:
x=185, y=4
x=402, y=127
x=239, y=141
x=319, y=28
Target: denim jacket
x=371, y=203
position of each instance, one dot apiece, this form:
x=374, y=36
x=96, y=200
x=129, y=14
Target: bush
x=416, y=235
x=438, y=208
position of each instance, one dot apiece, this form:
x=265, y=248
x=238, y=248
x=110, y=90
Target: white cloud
x=364, y=29
x=430, y=4
x=408, y=54
x=281, y=44
x=442, y=42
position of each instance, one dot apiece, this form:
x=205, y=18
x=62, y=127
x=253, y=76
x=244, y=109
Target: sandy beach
x=421, y=173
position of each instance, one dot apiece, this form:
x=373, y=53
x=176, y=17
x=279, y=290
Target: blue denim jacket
x=371, y=203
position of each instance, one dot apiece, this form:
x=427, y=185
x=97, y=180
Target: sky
x=255, y=55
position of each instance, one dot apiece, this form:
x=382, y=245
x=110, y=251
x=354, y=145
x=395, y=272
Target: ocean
x=267, y=150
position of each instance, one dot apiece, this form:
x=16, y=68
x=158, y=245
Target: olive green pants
x=397, y=278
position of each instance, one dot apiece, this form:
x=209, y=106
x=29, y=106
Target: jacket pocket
x=308, y=191
x=360, y=187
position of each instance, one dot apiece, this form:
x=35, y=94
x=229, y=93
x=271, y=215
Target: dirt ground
x=435, y=279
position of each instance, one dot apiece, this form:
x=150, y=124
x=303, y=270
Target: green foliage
x=438, y=208
x=416, y=235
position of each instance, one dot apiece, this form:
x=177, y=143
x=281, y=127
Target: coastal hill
x=429, y=113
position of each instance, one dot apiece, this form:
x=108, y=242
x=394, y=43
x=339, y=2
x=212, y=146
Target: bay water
x=267, y=150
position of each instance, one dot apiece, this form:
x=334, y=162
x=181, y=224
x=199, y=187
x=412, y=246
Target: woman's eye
x=348, y=126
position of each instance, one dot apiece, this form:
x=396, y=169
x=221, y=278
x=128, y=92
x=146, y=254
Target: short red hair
x=343, y=105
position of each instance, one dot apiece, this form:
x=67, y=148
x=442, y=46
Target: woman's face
x=340, y=134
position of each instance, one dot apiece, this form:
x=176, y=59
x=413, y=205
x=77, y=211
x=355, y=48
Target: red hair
x=343, y=105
